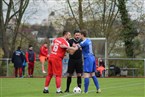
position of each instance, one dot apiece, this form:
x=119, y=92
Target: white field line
x=122, y=86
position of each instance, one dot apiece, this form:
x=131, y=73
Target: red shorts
x=55, y=66
x=42, y=59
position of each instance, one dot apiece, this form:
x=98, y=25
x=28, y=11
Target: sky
x=40, y=9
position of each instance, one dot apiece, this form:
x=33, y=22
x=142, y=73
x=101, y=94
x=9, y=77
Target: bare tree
x=14, y=10
x=9, y=10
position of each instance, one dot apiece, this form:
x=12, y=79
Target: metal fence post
x=7, y=62
x=144, y=67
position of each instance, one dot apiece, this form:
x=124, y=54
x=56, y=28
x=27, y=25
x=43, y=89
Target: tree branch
x=73, y=13
x=5, y=2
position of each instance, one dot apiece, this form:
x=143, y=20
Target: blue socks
x=86, y=84
x=96, y=82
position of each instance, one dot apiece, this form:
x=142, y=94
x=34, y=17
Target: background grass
x=111, y=87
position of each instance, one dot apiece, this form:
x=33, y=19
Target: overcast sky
x=40, y=10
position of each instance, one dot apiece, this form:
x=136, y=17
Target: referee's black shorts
x=75, y=65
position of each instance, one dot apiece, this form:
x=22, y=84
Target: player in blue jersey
x=89, y=62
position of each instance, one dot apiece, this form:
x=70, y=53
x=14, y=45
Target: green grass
x=111, y=87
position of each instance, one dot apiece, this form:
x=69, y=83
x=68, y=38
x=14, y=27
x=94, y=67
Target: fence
x=9, y=67
x=134, y=67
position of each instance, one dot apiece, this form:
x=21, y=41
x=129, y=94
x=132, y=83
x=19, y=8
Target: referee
x=75, y=61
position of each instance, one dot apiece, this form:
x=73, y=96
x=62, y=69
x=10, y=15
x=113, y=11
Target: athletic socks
x=68, y=83
x=86, y=84
x=58, y=81
x=58, y=89
x=46, y=88
x=79, y=81
x=96, y=82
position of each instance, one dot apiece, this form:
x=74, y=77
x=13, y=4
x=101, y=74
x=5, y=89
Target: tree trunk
x=22, y=7
x=80, y=14
x=12, y=11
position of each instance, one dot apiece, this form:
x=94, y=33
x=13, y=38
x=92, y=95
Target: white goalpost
x=100, y=48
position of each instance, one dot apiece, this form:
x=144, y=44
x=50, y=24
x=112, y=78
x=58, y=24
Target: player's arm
x=79, y=46
x=70, y=50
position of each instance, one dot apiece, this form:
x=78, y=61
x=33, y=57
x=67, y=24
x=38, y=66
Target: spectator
x=18, y=59
x=65, y=66
x=30, y=58
x=43, y=55
x=101, y=63
x=101, y=68
x=24, y=65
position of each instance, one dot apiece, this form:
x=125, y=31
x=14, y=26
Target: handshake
x=74, y=46
x=71, y=50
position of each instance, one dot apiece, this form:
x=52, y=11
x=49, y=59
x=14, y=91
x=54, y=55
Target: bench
x=124, y=71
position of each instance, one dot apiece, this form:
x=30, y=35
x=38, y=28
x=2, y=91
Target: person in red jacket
x=30, y=58
x=43, y=55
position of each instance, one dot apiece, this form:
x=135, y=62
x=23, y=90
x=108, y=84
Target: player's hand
x=46, y=59
x=79, y=47
x=74, y=45
x=48, y=56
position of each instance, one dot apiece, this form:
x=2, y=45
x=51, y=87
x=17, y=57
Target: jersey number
x=55, y=47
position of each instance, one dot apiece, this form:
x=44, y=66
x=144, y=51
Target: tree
x=78, y=21
x=128, y=32
x=51, y=31
x=14, y=9
x=100, y=17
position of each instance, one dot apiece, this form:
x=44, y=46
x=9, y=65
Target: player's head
x=66, y=34
x=45, y=44
x=83, y=33
x=77, y=34
x=19, y=48
x=30, y=47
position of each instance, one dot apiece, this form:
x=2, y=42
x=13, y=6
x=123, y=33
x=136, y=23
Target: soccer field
x=111, y=87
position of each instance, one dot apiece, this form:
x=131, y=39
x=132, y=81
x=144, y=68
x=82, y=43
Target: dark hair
x=64, y=32
x=84, y=32
x=19, y=47
x=45, y=42
x=76, y=31
x=30, y=46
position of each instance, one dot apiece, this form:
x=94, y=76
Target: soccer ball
x=76, y=90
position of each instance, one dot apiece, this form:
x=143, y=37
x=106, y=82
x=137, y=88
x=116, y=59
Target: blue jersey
x=89, y=58
x=86, y=47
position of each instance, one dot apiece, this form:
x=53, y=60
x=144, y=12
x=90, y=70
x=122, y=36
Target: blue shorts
x=89, y=64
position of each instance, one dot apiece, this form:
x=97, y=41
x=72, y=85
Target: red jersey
x=43, y=51
x=56, y=50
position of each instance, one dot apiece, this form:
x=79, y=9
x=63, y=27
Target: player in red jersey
x=43, y=55
x=58, y=50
